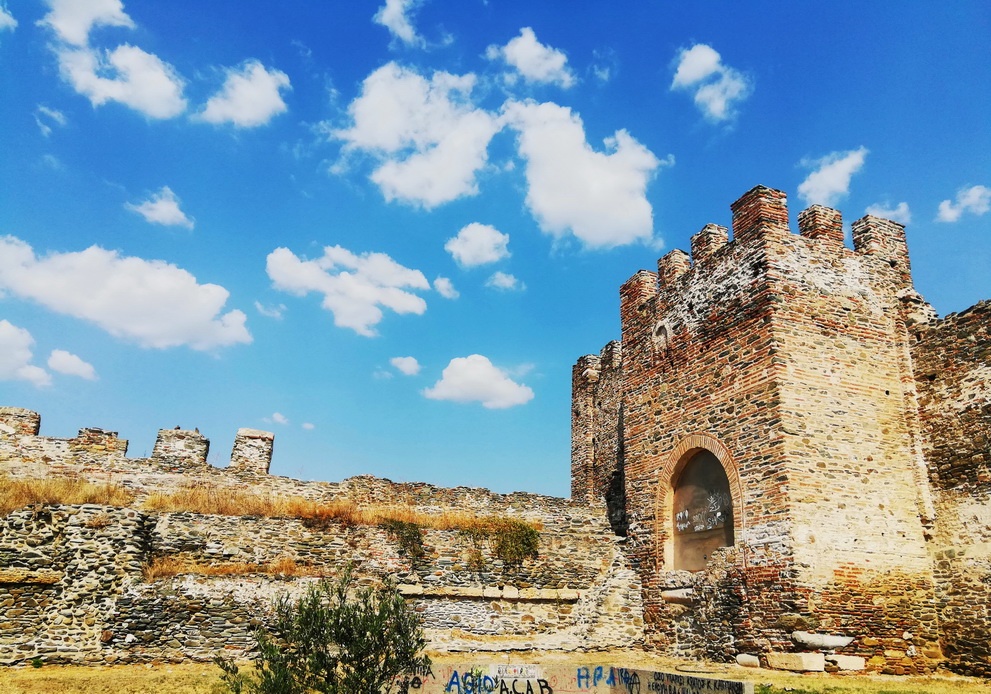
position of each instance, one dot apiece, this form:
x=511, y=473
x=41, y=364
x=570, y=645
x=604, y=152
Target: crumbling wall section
x=953, y=370
x=596, y=433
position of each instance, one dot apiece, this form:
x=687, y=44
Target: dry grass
x=18, y=493
x=172, y=565
x=203, y=678
x=234, y=502
x=208, y=499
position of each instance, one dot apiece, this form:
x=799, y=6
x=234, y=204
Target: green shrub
x=336, y=639
x=514, y=541
x=408, y=535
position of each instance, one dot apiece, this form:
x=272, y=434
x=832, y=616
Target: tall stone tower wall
x=597, y=469
x=786, y=359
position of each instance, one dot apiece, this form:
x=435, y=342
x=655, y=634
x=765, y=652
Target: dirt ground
x=203, y=678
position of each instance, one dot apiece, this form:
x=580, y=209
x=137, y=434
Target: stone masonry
x=804, y=445
x=73, y=586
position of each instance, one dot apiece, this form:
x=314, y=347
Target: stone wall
x=73, y=586
x=953, y=370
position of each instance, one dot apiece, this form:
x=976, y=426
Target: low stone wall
x=72, y=588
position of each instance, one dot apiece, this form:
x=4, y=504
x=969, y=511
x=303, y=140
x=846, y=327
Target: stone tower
x=762, y=413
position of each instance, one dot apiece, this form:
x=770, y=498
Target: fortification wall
x=953, y=367
x=75, y=587
x=72, y=587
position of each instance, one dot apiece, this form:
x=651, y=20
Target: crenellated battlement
x=176, y=450
x=760, y=223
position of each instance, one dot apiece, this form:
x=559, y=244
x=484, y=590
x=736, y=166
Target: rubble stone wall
x=953, y=369
x=75, y=587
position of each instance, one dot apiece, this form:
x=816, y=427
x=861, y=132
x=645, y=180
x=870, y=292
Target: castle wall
x=73, y=587
x=856, y=495
x=953, y=370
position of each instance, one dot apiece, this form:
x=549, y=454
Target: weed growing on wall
x=408, y=535
x=337, y=639
x=515, y=541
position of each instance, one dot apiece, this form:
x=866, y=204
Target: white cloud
x=46, y=118
x=150, y=302
x=476, y=379
x=72, y=20
x=15, y=356
x=428, y=135
x=126, y=74
x=7, y=21
x=308, y=426
x=598, y=197
x=354, y=287
x=162, y=208
x=830, y=178
x=605, y=65
x=140, y=80
x=250, y=96
x=534, y=61
x=504, y=281
x=899, y=213
x=394, y=15
x=408, y=366
x=444, y=287
x=976, y=200
x=717, y=87
x=67, y=363
x=270, y=311
x=279, y=418
x=478, y=244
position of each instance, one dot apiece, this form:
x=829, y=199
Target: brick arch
x=674, y=463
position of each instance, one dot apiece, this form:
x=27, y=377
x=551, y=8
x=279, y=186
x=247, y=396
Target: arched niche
x=702, y=512
x=699, y=503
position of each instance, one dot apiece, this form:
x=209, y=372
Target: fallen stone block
x=747, y=660
x=825, y=642
x=797, y=662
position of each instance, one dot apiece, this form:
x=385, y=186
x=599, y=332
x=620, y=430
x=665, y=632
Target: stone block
x=797, y=662
x=828, y=642
x=847, y=662
x=747, y=660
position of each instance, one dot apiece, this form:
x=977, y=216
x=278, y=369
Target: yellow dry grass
x=172, y=565
x=224, y=501
x=18, y=493
x=203, y=678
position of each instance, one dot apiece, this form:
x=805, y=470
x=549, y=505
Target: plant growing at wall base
x=336, y=639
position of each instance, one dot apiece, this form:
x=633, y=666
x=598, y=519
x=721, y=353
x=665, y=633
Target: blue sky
x=386, y=230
